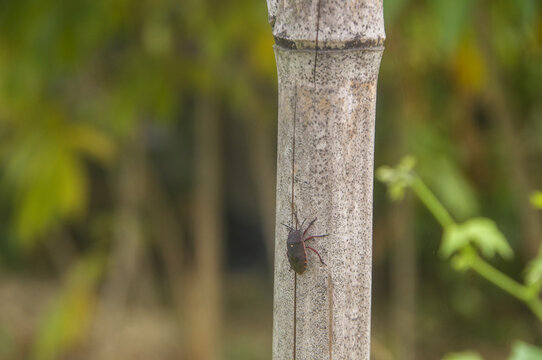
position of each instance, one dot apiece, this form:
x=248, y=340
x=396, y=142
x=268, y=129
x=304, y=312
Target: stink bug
x=296, y=248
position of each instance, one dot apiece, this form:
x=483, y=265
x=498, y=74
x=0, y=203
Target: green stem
x=478, y=264
x=432, y=203
x=506, y=283
x=498, y=278
x=536, y=307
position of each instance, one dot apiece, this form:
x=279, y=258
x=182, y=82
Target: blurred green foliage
x=536, y=199
x=68, y=322
x=481, y=232
x=520, y=351
x=523, y=351
x=467, y=355
x=77, y=77
x=462, y=242
x=77, y=80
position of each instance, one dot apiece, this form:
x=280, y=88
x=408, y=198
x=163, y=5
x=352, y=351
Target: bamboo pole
x=328, y=56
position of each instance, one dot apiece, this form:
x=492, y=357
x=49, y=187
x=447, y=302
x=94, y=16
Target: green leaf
x=91, y=142
x=533, y=271
x=481, y=232
x=461, y=262
x=455, y=238
x=48, y=181
x=485, y=234
x=397, y=179
x=407, y=164
x=385, y=174
x=466, y=355
x=536, y=199
x=524, y=351
x=67, y=321
x=57, y=192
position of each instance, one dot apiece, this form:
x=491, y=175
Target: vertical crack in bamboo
x=316, y=42
x=295, y=311
x=292, y=217
x=330, y=315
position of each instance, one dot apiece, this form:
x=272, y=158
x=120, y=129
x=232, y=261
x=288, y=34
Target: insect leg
x=308, y=247
x=308, y=227
x=315, y=236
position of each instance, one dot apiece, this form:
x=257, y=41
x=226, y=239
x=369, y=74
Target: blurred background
x=137, y=174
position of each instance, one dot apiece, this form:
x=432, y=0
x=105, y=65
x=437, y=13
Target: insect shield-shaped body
x=296, y=248
x=297, y=253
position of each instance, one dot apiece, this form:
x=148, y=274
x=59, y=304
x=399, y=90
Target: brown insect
x=296, y=248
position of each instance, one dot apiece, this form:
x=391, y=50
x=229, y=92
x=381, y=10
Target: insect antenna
x=288, y=226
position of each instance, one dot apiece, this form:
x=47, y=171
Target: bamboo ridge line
x=308, y=45
x=292, y=215
x=316, y=43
